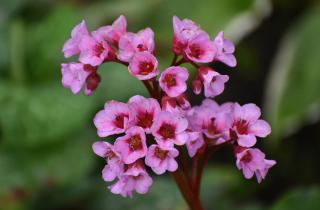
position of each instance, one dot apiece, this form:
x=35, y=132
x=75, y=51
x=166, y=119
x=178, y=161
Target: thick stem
x=192, y=200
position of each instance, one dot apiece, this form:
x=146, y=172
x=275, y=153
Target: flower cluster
x=151, y=132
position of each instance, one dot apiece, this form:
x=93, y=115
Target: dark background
x=46, y=162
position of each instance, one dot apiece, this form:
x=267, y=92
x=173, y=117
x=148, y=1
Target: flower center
x=195, y=51
x=135, y=142
x=119, y=120
x=98, y=49
x=146, y=68
x=145, y=119
x=241, y=126
x=161, y=154
x=141, y=47
x=247, y=157
x=212, y=129
x=170, y=80
x=167, y=131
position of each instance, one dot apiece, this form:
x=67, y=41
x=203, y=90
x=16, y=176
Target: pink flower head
x=194, y=143
x=113, y=119
x=74, y=75
x=252, y=161
x=135, y=178
x=71, y=46
x=184, y=30
x=113, y=33
x=173, y=80
x=201, y=49
x=210, y=120
x=94, y=50
x=114, y=166
x=169, y=128
x=161, y=159
x=131, y=43
x=92, y=83
x=132, y=146
x=246, y=124
x=143, y=66
x=213, y=82
x=143, y=112
x=225, y=50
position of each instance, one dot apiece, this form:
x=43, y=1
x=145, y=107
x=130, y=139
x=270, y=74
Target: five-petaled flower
x=173, y=80
x=161, y=159
x=246, y=124
x=252, y=161
x=131, y=146
x=113, y=119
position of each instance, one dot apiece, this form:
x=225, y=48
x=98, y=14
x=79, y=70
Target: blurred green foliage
x=46, y=133
x=293, y=92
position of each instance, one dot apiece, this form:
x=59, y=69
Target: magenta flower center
x=146, y=68
x=195, y=51
x=161, y=154
x=142, y=48
x=135, y=143
x=167, y=131
x=145, y=120
x=119, y=120
x=212, y=129
x=170, y=80
x=247, y=157
x=241, y=126
x=98, y=49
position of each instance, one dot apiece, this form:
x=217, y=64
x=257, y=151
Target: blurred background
x=46, y=162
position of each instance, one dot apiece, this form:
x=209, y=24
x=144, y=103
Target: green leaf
x=307, y=198
x=42, y=115
x=66, y=163
x=293, y=89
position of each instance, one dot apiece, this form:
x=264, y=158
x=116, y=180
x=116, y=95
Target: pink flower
x=71, y=46
x=210, y=120
x=131, y=43
x=225, y=50
x=113, y=119
x=143, y=66
x=184, y=30
x=252, y=161
x=173, y=80
x=143, y=112
x=201, y=49
x=169, y=128
x=194, y=143
x=135, y=178
x=113, y=33
x=161, y=159
x=132, y=146
x=213, y=82
x=94, y=50
x=114, y=166
x=246, y=124
x=74, y=75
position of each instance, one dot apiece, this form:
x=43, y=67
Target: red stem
x=181, y=176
